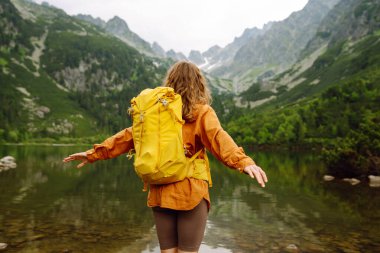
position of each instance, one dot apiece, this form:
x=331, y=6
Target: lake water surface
x=48, y=206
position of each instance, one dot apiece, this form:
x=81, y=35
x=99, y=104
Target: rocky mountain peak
x=158, y=49
x=273, y=48
x=175, y=56
x=96, y=21
x=212, y=51
x=117, y=24
x=196, y=57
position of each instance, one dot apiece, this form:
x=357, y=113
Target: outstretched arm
x=223, y=147
x=113, y=146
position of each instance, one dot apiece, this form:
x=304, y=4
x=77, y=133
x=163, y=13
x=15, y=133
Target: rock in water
x=3, y=246
x=7, y=162
x=328, y=177
x=292, y=248
x=352, y=181
x=8, y=159
x=374, y=181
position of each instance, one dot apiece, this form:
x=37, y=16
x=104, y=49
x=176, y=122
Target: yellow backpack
x=157, y=135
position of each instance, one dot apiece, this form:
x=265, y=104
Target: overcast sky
x=183, y=25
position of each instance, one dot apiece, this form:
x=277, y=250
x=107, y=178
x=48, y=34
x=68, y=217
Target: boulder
x=8, y=159
x=292, y=248
x=7, y=162
x=328, y=178
x=374, y=181
x=3, y=246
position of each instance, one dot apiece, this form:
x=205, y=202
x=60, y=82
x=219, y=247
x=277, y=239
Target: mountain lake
x=48, y=206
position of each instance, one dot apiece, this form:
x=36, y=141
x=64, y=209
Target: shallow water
x=47, y=206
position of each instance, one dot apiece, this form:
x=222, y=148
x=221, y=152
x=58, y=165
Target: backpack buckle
x=164, y=102
x=130, y=154
x=142, y=117
x=130, y=110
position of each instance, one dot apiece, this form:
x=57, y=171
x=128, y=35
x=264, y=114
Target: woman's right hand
x=255, y=171
x=81, y=156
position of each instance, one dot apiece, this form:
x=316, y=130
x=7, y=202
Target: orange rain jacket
x=204, y=131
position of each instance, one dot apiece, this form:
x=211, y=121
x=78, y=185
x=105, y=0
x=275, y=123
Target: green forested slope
x=341, y=113
x=329, y=99
x=61, y=77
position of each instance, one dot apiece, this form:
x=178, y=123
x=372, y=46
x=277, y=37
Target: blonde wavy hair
x=187, y=80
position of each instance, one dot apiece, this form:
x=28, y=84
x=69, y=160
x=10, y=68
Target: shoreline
x=263, y=147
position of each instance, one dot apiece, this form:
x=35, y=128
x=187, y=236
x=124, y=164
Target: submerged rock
x=374, y=181
x=292, y=248
x=328, y=178
x=7, y=162
x=352, y=181
x=3, y=246
x=8, y=159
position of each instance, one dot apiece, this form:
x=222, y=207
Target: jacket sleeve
x=113, y=146
x=220, y=143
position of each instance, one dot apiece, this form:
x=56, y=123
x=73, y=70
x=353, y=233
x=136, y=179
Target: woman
x=180, y=209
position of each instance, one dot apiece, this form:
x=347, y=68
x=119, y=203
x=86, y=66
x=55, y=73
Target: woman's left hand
x=255, y=171
x=81, y=156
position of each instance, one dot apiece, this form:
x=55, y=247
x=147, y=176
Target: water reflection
x=47, y=206
x=50, y=207
x=297, y=210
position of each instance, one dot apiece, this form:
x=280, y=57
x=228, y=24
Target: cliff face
x=269, y=50
x=349, y=21
x=344, y=46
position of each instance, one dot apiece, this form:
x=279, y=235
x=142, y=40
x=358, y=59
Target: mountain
x=61, y=76
x=158, y=50
x=119, y=28
x=327, y=58
x=269, y=50
x=177, y=56
x=217, y=57
x=96, y=21
x=196, y=57
x=350, y=20
x=329, y=98
x=211, y=52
